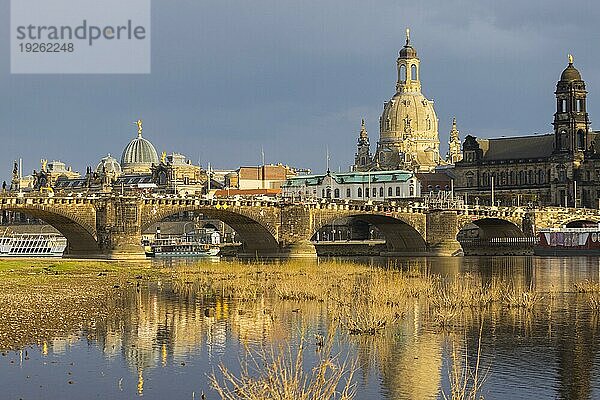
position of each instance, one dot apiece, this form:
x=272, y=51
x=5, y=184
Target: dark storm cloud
x=230, y=77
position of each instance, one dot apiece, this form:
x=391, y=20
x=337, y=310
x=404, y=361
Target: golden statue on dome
x=139, y=126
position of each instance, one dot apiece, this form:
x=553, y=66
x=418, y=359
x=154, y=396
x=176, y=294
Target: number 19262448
x=46, y=47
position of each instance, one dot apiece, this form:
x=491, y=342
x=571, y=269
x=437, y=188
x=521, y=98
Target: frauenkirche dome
x=408, y=126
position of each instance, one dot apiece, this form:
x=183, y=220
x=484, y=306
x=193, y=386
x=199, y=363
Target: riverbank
x=42, y=299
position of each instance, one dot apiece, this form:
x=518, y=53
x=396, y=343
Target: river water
x=166, y=340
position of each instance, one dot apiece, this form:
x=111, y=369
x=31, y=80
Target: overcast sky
x=295, y=77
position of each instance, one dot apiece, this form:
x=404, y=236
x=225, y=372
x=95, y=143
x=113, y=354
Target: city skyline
x=230, y=80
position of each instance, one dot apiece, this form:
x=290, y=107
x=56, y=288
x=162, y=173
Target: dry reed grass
x=279, y=372
x=465, y=381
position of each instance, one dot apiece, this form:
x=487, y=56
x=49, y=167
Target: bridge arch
x=401, y=236
x=579, y=222
x=491, y=227
x=256, y=234
x=81, y=236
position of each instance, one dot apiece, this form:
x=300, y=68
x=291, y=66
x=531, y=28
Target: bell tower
x=454, y=152
x=408, y=69
x=363, y=157
x=571, y=122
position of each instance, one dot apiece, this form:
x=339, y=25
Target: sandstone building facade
x=561, y=168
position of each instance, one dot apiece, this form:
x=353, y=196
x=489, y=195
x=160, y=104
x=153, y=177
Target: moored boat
x=32, y=245
x=568, y=242
x=203, y=244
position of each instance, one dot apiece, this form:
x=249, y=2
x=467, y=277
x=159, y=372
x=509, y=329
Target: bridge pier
x=442, y=229
x=125, y=247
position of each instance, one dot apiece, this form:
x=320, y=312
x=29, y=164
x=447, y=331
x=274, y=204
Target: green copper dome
x=139, y=155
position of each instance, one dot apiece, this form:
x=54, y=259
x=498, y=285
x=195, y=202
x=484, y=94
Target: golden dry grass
x=278, y=372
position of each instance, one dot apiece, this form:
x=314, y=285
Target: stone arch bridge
x=110, y=226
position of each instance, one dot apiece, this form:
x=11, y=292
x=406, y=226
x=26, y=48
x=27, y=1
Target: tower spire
x=454, y=152
x=570, y=57
x=407, y=36
x=363, y=131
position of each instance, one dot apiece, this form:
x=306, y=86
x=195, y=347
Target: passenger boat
x=183, y=246
x=32, y=245
x=568, y=242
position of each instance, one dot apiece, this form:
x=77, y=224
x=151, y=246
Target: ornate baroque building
x=408, y=126
x=560, y=168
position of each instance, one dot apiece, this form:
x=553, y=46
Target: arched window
x=581, y=139
x=374, y=192
x=469, y=179
x=511, y=178
x=563, y=140
x=530, y=177
x=397, y=191
x=381, y=192
x=413, y=73
x=328, y=193
x=521, y=180
x=367, y=193
x=348, y=192
x=412, y=191
x=402, y=73
x=485, y=178
x=363, y=161
x=390, y=192
x=336, y=193
x=563, y=105
x=359, y=193
x=323, y=193
x=548, y=174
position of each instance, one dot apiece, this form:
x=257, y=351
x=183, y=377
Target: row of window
x=413, y=73
x=504, y=178
x=578, y=107
x=360, y=192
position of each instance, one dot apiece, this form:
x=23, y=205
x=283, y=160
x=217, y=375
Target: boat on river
x=32, y=245
x=583, y=241
x=204, y=244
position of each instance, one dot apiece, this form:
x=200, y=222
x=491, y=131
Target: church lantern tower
x=571, y=122
x=363, y=157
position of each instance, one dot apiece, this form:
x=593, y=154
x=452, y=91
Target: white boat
x=181, y=247
x=32, y=245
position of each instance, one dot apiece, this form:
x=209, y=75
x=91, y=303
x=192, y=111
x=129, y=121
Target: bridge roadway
x=110, y=226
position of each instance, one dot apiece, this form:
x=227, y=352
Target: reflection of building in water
x=161, y=324
x=410, y=362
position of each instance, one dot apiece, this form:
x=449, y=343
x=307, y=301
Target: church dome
x=139, y=155
x=110, y=165
x=570, y=73
x=408, y=127
x=408, y=114
x=408, y=52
